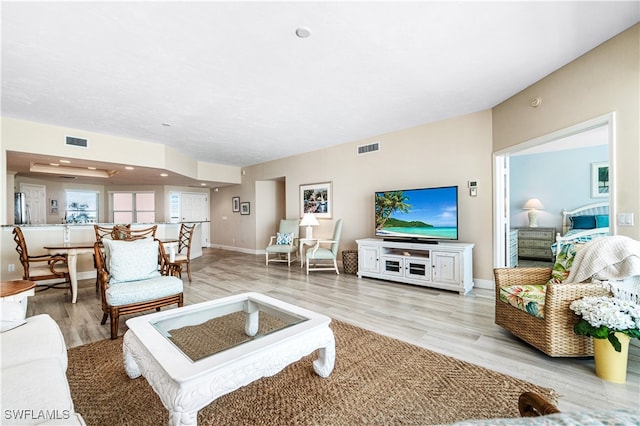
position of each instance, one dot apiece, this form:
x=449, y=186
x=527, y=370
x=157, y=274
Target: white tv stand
x=446, y=265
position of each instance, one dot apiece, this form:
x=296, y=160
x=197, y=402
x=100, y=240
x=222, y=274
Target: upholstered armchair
x=284, y=244
x=536, y=309
x=323, y=255
x=135, y=276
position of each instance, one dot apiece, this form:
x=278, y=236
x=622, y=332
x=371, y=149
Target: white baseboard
x=238, y=249
x=485, y=284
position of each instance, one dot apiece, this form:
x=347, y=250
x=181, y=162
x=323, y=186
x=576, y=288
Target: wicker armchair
x=552, y=334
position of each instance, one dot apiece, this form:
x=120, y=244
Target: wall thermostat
x=473, y=188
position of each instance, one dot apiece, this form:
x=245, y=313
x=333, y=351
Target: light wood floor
x=459, y=326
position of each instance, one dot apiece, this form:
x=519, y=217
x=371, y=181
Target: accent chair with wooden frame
x=135, y=276
x=552, y=334
x=183, y=256
x=41, y=267
x=284, y=243
x=108, y=232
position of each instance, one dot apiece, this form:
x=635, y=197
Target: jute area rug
x=377, y=380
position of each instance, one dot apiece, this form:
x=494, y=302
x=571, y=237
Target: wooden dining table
x=72, y=250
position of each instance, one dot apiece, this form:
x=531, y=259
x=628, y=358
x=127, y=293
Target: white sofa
x=34, y=385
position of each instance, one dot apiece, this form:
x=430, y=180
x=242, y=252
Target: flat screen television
x=427, y=214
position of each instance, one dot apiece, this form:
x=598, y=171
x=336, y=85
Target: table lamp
x=309, y=220
x=533, y=205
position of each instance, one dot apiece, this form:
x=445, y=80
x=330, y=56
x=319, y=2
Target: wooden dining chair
x=107, y=231
x=183, y=256
x=41, y=267
x=126, y=232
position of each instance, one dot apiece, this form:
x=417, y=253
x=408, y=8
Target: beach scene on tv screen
x=417, y=213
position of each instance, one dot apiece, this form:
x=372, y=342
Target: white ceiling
x=238, y=87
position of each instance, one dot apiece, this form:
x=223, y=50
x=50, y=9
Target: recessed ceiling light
x=65, y=161
x=303, y=32
x=128, y=167
x=203, y=184
x=68, y=170
x=54, y=164
x=164, y=174
x=92, y=168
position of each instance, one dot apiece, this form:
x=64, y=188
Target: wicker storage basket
x=350, y=261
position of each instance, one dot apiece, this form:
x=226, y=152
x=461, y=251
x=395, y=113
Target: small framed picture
x=53, y=206
x=235, y=204
x=245, y=208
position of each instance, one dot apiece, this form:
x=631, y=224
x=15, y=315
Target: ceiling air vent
x=82, y=143
x=365, y=149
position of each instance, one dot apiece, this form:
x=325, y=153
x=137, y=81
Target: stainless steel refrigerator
x=20, y=209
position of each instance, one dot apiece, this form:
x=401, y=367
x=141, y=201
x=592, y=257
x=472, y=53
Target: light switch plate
x=625, y=219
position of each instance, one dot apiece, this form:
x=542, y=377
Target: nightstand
x=535, y=243
x=513, y=248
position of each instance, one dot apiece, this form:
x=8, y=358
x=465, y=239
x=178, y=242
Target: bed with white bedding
x=583, y=224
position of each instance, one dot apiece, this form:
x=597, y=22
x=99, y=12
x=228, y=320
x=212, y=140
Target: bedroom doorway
x=504, y=210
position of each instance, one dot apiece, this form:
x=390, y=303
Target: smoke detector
x=303, y=32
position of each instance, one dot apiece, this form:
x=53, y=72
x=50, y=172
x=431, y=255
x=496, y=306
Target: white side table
x=17, y=291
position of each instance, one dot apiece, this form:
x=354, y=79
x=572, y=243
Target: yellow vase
x=611, y=365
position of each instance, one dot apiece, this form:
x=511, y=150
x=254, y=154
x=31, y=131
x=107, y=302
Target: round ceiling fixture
x=303, y=32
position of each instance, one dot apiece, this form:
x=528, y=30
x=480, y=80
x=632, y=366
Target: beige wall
x=605, y=80
x=449, y=152
x=39, y=138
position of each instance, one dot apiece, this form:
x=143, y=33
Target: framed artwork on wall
x=600, y=180
x=235, y=204
x=245, y=208
x=316, y=198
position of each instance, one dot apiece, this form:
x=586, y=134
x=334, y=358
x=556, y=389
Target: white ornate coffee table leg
x=323, y=366
x=130, y=365
x=252, y=322
x=182, y=419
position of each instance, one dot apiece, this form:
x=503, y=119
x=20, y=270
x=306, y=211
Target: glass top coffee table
x=192, y=355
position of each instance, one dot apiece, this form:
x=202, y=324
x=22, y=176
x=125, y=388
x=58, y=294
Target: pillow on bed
x=583, y=222
x=602, y=221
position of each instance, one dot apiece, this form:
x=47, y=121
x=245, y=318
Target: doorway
x=502, y=180
x=35, y=197
x=194, y=207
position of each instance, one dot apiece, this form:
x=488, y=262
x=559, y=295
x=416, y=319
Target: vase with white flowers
x=612, y=322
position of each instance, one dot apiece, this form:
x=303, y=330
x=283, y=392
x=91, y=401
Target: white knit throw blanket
x=606, y=258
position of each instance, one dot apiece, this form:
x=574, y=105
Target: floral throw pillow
x=564, y=261
x=284, y=238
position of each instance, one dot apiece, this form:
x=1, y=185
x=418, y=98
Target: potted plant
x=612, y=322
